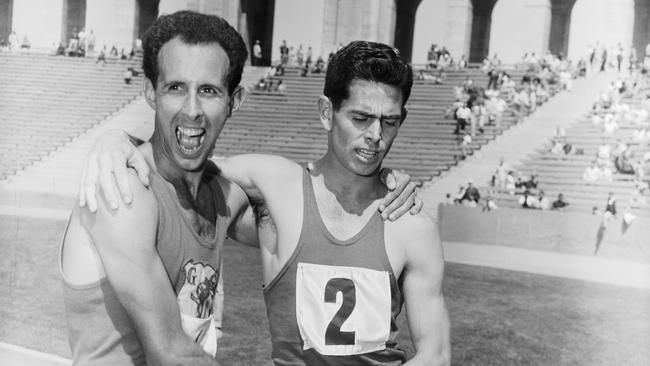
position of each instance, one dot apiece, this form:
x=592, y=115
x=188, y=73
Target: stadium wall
x=565, y=232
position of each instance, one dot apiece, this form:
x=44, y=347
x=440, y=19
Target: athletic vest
x=100, y=331
x=335, y=301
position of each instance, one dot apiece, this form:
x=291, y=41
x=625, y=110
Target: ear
x=237, y=99
x=325, y=112
x=405, y=112
x=150, y=93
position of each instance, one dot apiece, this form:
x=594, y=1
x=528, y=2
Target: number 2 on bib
x=333, y=334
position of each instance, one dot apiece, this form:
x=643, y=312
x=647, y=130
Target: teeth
x=190, y=139
x=367, y=153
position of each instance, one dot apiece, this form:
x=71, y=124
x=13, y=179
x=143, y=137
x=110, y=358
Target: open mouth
x=190, y=139
x=367, y=155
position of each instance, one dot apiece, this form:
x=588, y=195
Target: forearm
x=431, y=339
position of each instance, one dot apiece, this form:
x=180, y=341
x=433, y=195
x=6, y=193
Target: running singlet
x=100, y=331
x=335, y=301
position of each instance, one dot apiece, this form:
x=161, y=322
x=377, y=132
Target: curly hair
x=370, y=61
x=194, y=28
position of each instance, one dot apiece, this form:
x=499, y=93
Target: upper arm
x=422, y=277
x=126, y=242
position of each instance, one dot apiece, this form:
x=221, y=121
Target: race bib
x=342, y=310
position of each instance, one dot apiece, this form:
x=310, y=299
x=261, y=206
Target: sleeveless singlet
x=100, y=331
x=335, y=301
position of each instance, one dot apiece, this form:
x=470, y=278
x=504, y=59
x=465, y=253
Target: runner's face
x=191, y=101
x=365, y=125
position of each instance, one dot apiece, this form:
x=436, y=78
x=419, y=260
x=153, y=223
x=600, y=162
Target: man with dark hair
x=140, y=283
x=335, y=275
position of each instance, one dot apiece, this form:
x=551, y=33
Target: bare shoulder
x=421, y=226
x=142, y=210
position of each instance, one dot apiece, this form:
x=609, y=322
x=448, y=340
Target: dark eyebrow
x=370, y=115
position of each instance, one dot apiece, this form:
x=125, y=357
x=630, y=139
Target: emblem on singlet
x=198, y=289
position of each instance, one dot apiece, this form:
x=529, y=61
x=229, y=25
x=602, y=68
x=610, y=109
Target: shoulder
x=421, y=226
x=141, y=213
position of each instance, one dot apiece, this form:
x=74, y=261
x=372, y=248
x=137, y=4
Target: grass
x=498, y=317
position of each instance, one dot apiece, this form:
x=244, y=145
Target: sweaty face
x=191, y=101
x=364, y=127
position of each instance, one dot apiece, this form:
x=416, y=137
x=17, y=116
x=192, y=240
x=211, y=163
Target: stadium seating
x=287, y=124
x=47, y=101
x=563, y=173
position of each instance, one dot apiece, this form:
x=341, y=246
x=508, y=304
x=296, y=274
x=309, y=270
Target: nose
x=192, y=106
x=373, y=133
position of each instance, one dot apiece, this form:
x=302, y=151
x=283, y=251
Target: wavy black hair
x=194, y=28
x=370, y=61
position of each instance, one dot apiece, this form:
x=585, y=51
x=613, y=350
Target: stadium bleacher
x=47, y=101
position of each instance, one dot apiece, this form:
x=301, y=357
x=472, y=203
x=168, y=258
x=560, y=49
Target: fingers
x=401, y=204
x=417, y=206
x=138, y=162
x=82, y=196
x=387, y=176
x=106, y=181
x=90, y=178
x=121, y=173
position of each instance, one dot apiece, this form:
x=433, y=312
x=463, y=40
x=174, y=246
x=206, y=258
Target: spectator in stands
x=319, y=66
x=541, y=202
x=25, y=45
x=603, y=60
x=281, y=87
x=500, y=174
x=465, y=145
x=123, y=55
x=531, y=183
x=261, y=84
x=309, y=55
x=463, y=114
x=257, y=54
x=472, y=196
x=91, y=42
x=510, y=182
x=489, y=204
x=560, y=203
x=102, y=56
x=60, y=51
x=284, y=53
x=128, y=75
x=462, y=62
x=14, y=42
x=527, y=200
x=113, y=52
x=610, y=209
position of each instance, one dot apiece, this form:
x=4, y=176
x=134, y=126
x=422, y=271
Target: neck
x=186, y=183
x=353, y=192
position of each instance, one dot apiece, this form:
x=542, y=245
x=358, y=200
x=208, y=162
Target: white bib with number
x=342, y=310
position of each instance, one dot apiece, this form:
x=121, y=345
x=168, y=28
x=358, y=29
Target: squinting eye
x=360, y=119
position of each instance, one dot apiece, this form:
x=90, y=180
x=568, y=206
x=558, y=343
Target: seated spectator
x=261, y=84
x=465, y=144
x=557, y=148
x=640, y=135
x=319, y=67
x=462, y=62
x=60, y=51
x=463, y=114
x=281, y=87
x=123, y=55
x=560, y=203
x=102, y=56
x=527, y=200
x=128, y=74
x=591, y=173
x=542, y=202
x=472, y=195
x=531, y=183
x=610, y=209
x=624, y=163
x=489, y=204
x=279, y=70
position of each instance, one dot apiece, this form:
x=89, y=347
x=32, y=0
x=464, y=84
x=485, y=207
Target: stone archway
x=404, y=26
x=641, y=32
x=74, y=18
x=481, y=26
x=560, y=26
x=146, y=13
x=6, y=12
x=259, y=24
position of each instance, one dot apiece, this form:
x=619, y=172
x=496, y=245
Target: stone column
x=40, y=20
x=306, y=16
x=459, y=27
x=345, y=21
x=560, y=22
x=641, y=35
x=113, y=22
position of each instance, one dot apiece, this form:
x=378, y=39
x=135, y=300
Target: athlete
x=336, y=275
